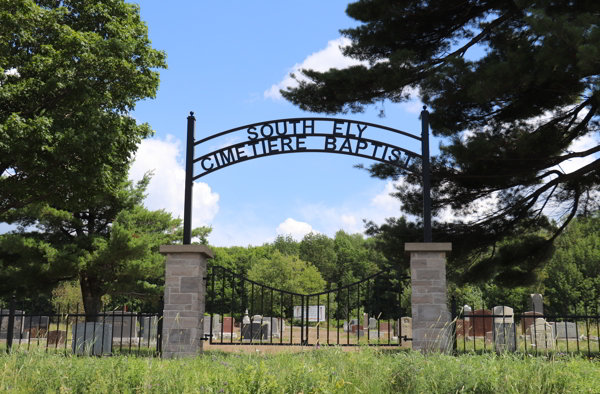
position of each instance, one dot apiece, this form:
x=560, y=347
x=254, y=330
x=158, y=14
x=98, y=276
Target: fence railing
x=500, y=329
x=107, y=332
x=241, y=311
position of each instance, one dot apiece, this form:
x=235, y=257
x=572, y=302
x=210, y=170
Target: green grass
x=322, y=370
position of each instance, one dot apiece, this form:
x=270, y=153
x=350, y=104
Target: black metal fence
x=72, y=332
x=500, y=329
x=241, y=311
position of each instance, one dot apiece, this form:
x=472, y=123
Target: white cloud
x=294, y=228
x=385, y=201
x=166, y=189
x=323, y=60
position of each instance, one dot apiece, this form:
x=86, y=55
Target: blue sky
x=227, y=61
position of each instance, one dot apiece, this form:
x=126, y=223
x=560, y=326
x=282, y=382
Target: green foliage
x=70, y=73
x=509, y=117
x=110, y=246
x=66, y=297
x=287, y=273
x=318, y=371
x=572, y=281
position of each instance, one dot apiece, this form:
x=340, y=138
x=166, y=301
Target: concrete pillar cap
x=173, y=249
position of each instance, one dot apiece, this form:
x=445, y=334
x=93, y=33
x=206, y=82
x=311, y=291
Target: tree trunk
x=91, y=293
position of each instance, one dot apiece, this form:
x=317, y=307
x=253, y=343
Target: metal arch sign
x=286, y=136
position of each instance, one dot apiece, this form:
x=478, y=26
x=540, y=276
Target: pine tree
x=509, y=118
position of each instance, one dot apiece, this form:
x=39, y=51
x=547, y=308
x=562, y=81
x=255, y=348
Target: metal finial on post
x=426, y=175
x=189, y=183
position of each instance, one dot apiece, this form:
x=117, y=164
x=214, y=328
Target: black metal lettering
x=384, y=152
x=348, y=129
x=360, y=146
x=294, y=123
x=203, y=166
x=226, y=159
x=330, y=141
x=253, y=134
x=262, y=130
x=253, y=145
x=395, y=155
x=375, y=146
x=300, y=143
x=346, y=145
x=240, y=154
x=284, y=129
x=311, y=127
x=286, y=141
x=335, y=127
x=217, y=160
x=272, y=146
x=263, y=146
x=360, y=131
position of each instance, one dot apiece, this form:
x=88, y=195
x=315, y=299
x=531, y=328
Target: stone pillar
x=430, y=316
x=185, y=269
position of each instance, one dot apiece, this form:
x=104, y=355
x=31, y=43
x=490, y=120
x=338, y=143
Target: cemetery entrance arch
x=306, y=135
x=240, y=311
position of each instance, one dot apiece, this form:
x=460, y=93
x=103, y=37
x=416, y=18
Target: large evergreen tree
x=110, y=245
x=509, y=117
x=70, y=72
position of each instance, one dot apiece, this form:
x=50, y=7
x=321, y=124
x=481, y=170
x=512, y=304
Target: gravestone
x=149, y=328
x=542, y=335
x=18, y=325
x=404, y=328
x=40, y=323
x=504, y=329
x=356, y=327
x=92, y=338
x=565, y=330
x=273, y=326
x=384, y=327
x=537, y=303
x=529, y=319
x=480, y=322
x=372, y=324
x=462, y=328
x=228, y=327
x=216, y=325
x=466, y=312
x=55, y=336
x=124, y=324
x=345, y=326
x=255, y=331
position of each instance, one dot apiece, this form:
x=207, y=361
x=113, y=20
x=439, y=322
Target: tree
x=509, y=117
x=70, y=72
x=110, y=246
x=572, y=277
x=318, y=249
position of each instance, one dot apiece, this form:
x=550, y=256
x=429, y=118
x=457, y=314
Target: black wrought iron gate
x=240, y=311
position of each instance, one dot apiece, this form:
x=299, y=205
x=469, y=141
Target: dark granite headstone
x=92, y=338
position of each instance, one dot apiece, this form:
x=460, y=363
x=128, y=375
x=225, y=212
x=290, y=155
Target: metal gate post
x=189, y=183
x=11, y=324
x=426, y=175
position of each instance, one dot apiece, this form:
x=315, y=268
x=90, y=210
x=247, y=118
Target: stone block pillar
x=430, y=316
x=185, y=268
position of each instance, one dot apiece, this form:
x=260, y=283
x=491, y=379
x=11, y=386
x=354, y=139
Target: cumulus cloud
x=385, y=200
x=166, y=190
x=323, y=60
x=294, y=228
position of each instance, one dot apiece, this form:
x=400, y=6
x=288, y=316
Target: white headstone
x=542, y=335
x=503, y=314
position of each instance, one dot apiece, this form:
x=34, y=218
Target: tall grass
x=321, y=370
